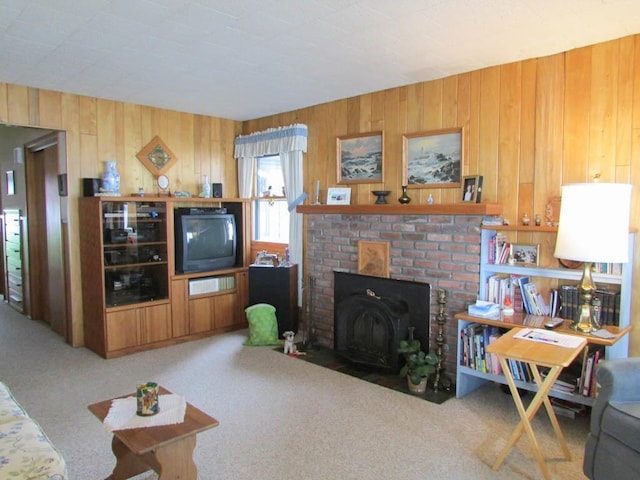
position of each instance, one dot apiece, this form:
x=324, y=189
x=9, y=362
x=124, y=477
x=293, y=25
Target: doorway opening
x=34, y=266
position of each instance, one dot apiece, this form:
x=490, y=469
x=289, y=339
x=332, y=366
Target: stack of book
x=571, y=301
x=568, y=409
x=569, y=379
x=474, y=338
x=533, y=301
x=498, y=249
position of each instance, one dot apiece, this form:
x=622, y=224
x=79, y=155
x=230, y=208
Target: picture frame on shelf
x=360, y=158
x=472, y=189
x=433, y=158
x=526, y=254
x=338, y=196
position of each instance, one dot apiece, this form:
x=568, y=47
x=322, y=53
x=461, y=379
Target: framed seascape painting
x=432, y=159
x=360, y=158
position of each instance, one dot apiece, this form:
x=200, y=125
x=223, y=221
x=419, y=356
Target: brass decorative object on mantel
x=157, y=157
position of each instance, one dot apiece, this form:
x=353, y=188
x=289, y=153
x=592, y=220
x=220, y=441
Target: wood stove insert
x=372, y=315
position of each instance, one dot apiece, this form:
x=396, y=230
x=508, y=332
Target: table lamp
x=593, y=227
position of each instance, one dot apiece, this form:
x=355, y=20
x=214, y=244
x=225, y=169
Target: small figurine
x=507, y=308
x=525, y=219
x=289, y=346
x=538, y=220
x=548, y=214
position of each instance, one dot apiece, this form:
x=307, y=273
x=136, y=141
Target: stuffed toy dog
x=289, y=346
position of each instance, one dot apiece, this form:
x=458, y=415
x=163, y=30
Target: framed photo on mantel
x=472, y=189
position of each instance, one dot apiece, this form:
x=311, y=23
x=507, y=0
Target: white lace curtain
x=290, y=143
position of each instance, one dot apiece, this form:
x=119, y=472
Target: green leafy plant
x=418, y=365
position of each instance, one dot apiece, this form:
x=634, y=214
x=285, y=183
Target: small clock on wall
x=163, y=184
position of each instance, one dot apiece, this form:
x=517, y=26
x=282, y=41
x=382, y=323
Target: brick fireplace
x=442, y=250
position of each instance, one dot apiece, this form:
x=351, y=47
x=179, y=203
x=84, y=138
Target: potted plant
x=418, y=365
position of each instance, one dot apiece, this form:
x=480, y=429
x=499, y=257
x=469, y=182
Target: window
x=271, y=214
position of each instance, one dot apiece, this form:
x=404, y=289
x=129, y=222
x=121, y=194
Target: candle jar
x=147, y=399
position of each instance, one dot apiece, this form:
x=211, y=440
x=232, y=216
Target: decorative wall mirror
x=157, y=157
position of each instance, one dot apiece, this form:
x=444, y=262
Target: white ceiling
x=245, y=59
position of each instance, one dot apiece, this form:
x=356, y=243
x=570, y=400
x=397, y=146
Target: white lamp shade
x=594, y=223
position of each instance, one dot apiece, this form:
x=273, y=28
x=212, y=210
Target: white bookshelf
x=468, y=379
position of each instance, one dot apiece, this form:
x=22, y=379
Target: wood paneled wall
x=99, y=130
x=529, y=127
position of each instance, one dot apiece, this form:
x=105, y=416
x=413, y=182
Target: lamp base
x=587, y=322
x=584, y=326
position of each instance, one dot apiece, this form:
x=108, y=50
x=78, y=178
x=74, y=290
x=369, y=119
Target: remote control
x=553, y=323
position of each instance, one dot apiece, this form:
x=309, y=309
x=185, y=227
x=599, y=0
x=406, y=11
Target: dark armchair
x=613, y=447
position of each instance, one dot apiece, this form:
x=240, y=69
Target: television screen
x=208, y=238
x=205, y=240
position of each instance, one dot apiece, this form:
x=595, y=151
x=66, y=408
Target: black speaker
x=216, y=190
x=90, y=186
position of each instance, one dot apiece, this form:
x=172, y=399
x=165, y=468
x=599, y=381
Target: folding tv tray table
x=535, y=354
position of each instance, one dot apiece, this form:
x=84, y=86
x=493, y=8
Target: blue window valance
x=272, y=141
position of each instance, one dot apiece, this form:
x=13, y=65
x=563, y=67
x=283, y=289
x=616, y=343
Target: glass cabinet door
x=134, y=238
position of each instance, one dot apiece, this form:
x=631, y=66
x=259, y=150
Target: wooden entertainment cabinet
x=133, y=299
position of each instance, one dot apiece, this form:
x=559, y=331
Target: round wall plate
x=163, y=182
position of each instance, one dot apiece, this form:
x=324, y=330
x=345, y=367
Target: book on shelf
x=608, y=268
x=484, y=309
x=499, y=287
x=492, y=221
x=587, y=384
x=522, y=282
x=554, y=303
x=518, y=305
x=498, y=249
x=533, y=302
x=567, y=408
x=474, y=338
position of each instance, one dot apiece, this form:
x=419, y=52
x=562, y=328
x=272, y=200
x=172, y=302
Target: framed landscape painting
x=433, y=159
x=360, y=158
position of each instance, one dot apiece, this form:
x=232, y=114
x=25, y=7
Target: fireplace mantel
x=399, y=209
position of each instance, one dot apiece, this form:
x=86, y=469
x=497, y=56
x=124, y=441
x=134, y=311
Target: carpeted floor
x=279, y=416
x=328, y=358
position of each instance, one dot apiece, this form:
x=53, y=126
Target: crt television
x=205, y=239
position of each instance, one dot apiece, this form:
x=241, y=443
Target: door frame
x=35, y=191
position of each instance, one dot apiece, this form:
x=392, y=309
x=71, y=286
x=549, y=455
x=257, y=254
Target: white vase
x=206, y=187
x=110, y=178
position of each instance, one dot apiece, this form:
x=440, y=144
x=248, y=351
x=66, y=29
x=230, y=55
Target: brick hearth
x=442, y=250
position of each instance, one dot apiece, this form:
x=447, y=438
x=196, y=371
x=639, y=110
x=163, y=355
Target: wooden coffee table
x=166, y=449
